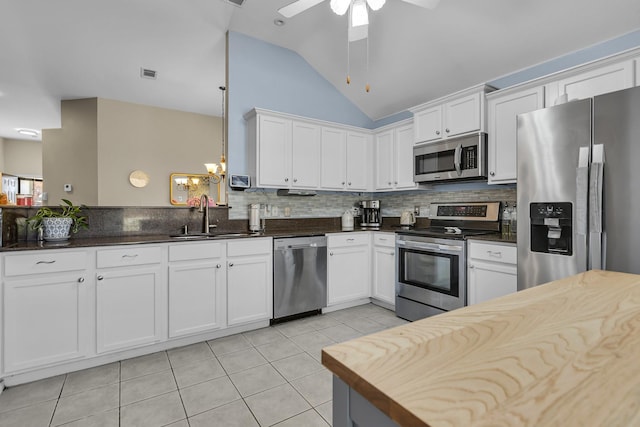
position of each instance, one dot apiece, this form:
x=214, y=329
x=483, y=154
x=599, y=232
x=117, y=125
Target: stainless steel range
x=431, y=262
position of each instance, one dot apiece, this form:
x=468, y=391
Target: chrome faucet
x=204, y=208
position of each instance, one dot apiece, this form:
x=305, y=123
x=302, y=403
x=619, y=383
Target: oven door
x=431, y=271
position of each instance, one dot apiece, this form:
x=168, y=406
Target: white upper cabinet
x=305, y=152
x=344, y=160
x=333, y=175
x=503, y=109
x=287, y=152
x=593, y=81
x=450, y=116
x=274, y=152
x=290, y=152
x=428, y=124
x=394, y=158
x=462, y=115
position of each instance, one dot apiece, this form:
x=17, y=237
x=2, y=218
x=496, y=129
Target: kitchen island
x=563, y=353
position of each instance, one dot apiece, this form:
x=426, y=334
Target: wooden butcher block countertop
x=566, y=353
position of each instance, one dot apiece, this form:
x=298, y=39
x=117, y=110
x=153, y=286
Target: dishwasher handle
x=307, y=246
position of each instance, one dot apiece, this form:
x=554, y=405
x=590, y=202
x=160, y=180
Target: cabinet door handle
x=342, y=182
x=447, y=130
x=472, y=266
x=437, y=132
x=130, y=256
x=46, y=262
x=389, y=183
x=395, y=183
x=330, y=253
x=286, y=180
x=230, y=264
x=295, y=179
x=218, y=266
x=100, y=277
x=492, y=173
x=350, y=240
x=81, y=280
x=349, y=183
x=496, y=254
x=392, y=253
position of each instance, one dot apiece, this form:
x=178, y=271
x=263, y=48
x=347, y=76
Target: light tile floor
x=266, y=377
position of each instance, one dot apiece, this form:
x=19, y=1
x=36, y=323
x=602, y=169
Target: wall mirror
x=187, y=188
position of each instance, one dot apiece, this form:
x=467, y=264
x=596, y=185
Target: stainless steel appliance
x=299, y=276
x=370, y=214
x=577, y=188
x=431, y=267
x=461, y=158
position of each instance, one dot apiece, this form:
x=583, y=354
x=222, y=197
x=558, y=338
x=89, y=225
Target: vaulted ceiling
x=65, y=49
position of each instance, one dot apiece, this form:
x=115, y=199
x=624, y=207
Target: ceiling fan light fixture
x=359, y=15
x=375, y=4
x=340, y=7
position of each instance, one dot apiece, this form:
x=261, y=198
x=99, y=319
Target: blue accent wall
x=266, y=76
x=600, y=50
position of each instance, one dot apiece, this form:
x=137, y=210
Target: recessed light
x=29, y=132
x=278, y=22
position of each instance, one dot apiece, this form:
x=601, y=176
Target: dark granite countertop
x=295, y=229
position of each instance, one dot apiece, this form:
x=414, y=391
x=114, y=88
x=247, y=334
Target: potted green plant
x=58, y=224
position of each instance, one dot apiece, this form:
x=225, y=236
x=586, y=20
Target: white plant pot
x=56, y=228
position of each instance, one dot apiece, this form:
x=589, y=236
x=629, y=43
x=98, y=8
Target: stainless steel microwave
x=461, y=158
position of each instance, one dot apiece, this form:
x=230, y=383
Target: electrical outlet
x=416, y=210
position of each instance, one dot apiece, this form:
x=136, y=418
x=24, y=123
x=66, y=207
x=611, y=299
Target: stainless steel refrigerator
x=579, y=188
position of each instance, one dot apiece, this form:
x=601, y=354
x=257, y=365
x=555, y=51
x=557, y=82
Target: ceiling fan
x=340, y=7
x=358, y=22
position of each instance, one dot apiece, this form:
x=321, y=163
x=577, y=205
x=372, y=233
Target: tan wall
x=70, y=154
x=155, y=140
x=22, y=157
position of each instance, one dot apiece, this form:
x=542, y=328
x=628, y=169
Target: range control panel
x=485, y=211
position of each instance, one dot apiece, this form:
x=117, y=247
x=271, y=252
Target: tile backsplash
x=333, y=204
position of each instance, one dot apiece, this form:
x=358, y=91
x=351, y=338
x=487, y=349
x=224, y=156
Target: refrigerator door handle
x=458, y=159
x=581, y=211
x=595, y=208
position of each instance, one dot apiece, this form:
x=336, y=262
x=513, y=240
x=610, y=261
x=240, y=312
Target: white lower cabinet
x=45, y=306
x=197, y=288
x=348, y=267
x=129, y=297
x=491, y=270
x=384, y=267
x=249, y=280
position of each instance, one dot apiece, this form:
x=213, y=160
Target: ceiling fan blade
x=297, y=7
x=427, y=4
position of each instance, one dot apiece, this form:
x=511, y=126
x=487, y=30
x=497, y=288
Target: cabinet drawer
x=123, y=257
x=249, y=246
x=384, y=239
x=493, y=252
x=190, y=251
x=347, y=239
x=44, y=262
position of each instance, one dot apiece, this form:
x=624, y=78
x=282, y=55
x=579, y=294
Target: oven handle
x=430, y=246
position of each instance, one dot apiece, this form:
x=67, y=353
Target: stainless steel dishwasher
x=299, y=276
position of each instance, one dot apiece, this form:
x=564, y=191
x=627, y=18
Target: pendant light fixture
x=220, y=170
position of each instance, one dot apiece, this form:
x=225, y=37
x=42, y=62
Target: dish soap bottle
x=506, y=221
x=514, y=220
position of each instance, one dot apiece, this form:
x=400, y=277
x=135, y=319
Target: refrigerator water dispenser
x=551, y=228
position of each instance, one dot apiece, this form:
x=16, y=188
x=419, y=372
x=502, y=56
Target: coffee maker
x=370, y=214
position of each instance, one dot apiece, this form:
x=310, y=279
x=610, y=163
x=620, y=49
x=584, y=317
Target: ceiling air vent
x=236, y=2
x=145, y=73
